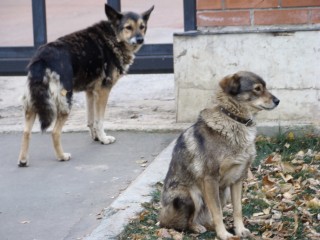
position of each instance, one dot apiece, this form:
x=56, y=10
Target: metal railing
x=152, y=58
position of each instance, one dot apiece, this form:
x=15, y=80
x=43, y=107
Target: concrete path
x=137, y=102
x=53, y=200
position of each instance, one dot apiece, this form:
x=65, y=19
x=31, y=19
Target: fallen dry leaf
x=266, y=211
x=142, y=215
x=258, y=214
x=290, y=136
x=272, y=159
x=141, y=161
x=296, y=223
x=25, y=222
x=287, y=195
x=296, y=161
x=163, y=233
x=100, y=215
x=314, y=203
x=234, y=238
x=285, y=187
x=287, y=167
x=250, y=175
x=300, y=155
x=176, y=235
x=286, y=177
x=276, y=214
x=268, y=181
x=287, y=145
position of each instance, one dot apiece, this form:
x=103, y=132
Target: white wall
x=288, y=62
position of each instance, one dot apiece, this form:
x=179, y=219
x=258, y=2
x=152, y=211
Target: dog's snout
x=139, y=39
x=276, y=101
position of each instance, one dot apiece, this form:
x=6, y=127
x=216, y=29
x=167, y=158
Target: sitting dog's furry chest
x=235, y=166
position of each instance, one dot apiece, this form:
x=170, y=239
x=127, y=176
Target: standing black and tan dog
x=91, y=60
x=212, y=157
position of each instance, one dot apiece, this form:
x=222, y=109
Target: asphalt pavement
x=51, y=200
x=63, y=200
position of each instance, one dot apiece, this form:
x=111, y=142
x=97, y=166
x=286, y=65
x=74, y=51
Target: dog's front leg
x=212, y=200
x=236, y=196
x=100, y=102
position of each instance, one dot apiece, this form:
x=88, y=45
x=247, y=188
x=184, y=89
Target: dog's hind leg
x=90, y=114
x=100, y=102
x=179, y=211
x=195, y=222
x=56, y=138
x=177, y=214
x=30, y=117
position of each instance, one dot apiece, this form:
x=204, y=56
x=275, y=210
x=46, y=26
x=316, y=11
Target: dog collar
x=247, y=122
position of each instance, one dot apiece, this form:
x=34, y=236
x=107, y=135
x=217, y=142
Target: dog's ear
x=231, y=84
x=146, y=14
x=113, y=15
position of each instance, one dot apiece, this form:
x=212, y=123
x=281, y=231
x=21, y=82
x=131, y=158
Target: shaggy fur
x=211, y=158
x=90, y=60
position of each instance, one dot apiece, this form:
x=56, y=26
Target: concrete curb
x=128, y=204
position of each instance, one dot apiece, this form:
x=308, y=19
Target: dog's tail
x=39, y=89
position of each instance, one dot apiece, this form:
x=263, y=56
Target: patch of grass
x=253, y=206
x=317, y=228
x=309, y=192
x=285, y=146
x=156, y=195
x=145, y=223
x=207, y=235
x=264, y=148
x=315, y=209
x=304, y=174
x=300, y=234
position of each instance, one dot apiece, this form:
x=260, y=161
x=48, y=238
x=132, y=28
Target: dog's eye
x=257, y=89
x=142, y=27
x=129, y=28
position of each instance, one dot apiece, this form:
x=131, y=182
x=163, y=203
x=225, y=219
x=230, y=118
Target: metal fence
x=152, y=58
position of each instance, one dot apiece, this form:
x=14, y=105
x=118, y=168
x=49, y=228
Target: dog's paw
x=107, y=140
x=243, y=232
x=64, y=157
x=225, y=235
x=23, y=163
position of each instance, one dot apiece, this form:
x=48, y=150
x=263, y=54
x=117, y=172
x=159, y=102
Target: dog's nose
x=139, y=39
x=276, y=101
